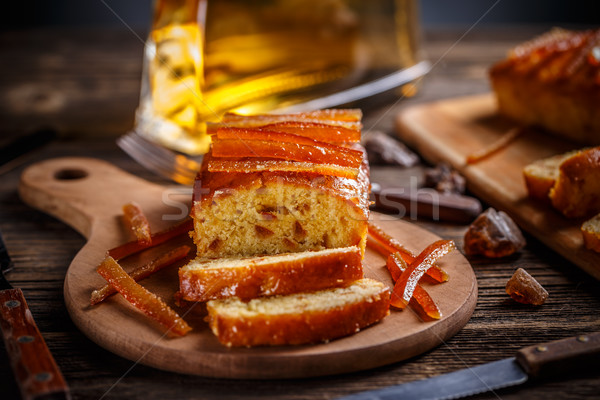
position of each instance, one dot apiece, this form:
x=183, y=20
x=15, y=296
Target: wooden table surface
x=85, y=84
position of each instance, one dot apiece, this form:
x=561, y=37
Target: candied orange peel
x=318, y=131
x=315, y=153
x=141, y=298
x=407, y=270
x=260, y=134
x=385, y=245
x=144, y=271
x=136, y=221
x=332, y=114
x=323, y=132
x=266, y=164
x=320, y=142
x=408, y=280
x=129, y=248
x=421, y=301
x=347, y=119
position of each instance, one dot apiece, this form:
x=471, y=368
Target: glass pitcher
x=204, y=58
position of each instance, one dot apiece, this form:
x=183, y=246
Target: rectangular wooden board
x=450, y=130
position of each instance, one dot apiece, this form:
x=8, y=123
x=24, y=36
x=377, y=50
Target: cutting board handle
x=80, y=191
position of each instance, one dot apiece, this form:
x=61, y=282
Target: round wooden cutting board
x=88, y=195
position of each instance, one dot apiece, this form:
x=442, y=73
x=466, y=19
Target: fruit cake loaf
x=299, y=318
x=251, y=277
x=553, y=81
x=310, y=195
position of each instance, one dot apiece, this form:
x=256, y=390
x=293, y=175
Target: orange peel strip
x=325, y=154
x=253, y=122
x=494, y=147
x=141, y=298
x=385, y=245
x=258, y=164
x=315, y=130
x=273, y=136
x=137, y=222
x=396, y=265
x=342, y=114
x=129, y=248
x=322, y=132
x=425, y=303
x=144, y=271
x=405, y=285
x=335, y=114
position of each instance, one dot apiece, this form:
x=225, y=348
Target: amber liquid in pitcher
x=207, y=57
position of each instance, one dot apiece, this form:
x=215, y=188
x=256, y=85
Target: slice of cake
x=541, y=175
x=251, y=277
x=576, y=192
x=299, y=318
x=553, y=81
x=590, y=230
x=271, y=192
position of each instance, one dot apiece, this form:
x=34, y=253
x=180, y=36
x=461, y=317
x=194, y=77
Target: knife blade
x=530, y=362
x=36, y=372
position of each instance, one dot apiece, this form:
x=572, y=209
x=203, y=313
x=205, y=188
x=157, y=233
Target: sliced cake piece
x=576, y=192
x=251, y=277
x=541, y=175
x=591, y=233
x=299, y=318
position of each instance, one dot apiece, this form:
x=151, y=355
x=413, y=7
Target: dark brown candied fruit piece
x=445, y=179
x=493, y=234
x=215, y=244
x=384, y=150
x=299, y=231
x=523, y=288
x=263, y=232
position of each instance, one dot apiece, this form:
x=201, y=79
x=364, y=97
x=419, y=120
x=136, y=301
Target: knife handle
x=561, y=355
x=34, y=367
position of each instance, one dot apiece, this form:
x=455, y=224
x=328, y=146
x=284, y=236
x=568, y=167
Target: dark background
x=136, y=13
